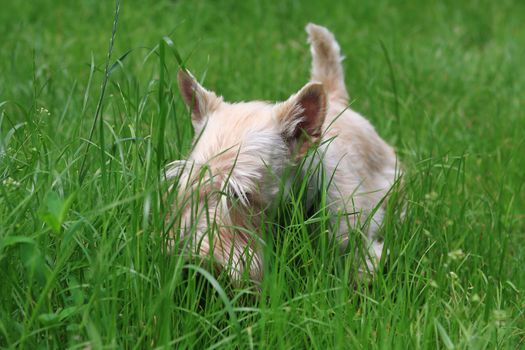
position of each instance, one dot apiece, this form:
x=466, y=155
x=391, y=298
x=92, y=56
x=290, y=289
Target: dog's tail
x=326, y=62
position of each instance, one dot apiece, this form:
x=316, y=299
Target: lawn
x=83, y=262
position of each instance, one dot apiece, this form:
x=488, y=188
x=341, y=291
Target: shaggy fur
x=240, y=150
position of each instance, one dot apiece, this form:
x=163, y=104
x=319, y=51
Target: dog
x=240, y=153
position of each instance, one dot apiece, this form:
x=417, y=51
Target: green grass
x=83, y=263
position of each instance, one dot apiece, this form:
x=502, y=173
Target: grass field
x=82, y=253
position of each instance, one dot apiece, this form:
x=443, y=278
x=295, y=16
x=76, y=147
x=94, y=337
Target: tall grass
x=84, y=263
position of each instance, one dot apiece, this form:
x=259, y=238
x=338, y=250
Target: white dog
x=241, y=150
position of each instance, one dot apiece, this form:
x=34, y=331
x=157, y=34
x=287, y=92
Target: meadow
x=84, y=140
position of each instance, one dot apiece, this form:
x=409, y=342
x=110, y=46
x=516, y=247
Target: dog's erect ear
x=303, y=112
x=199, y=100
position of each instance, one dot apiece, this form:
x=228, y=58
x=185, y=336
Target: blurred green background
x=81, y=263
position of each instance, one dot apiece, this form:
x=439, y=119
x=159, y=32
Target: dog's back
x=360, y=166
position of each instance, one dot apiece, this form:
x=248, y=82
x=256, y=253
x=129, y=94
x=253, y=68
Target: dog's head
x=234, y=169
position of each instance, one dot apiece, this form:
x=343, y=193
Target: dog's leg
x=374, y=245
x=355, y=225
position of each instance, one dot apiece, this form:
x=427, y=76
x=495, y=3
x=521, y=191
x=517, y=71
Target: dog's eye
x=240, y=197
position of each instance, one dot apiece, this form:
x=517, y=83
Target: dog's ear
x=304, y=111
x=199, y=100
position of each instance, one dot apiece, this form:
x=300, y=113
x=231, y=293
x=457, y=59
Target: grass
x=83, y=261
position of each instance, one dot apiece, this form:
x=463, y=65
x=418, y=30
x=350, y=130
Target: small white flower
x=456, y=254
x=44, y=111
x=499, y=317
x=475, y=298
x=10, y=182
x=432, y=196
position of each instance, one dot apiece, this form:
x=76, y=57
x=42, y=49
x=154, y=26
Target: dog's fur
x=241, y=150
